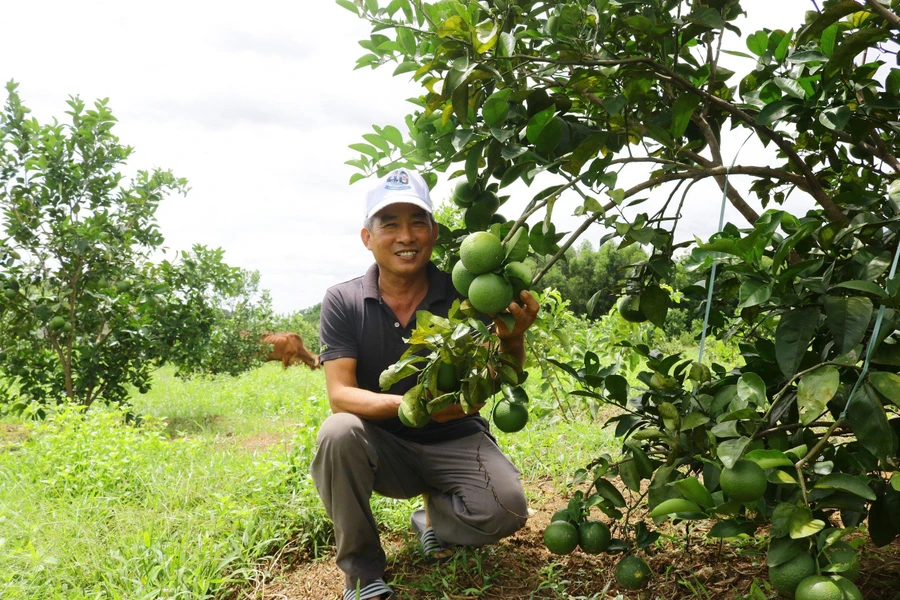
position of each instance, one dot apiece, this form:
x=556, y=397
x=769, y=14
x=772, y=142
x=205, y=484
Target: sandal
x=428, y=541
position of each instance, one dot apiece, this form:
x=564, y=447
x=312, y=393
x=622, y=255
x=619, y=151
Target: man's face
x=401, y=239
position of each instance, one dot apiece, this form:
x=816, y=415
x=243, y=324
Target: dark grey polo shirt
x=357, y=323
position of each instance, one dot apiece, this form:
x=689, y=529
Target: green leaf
x=802, y=524
x=537, y=123
x=609, y=491
x=628, y=472
x=892, y=82
x=814, y=392
x=693, y=490
x=496, y=108
x=769, y=459
x=730, y=451
x=692, y=420
x=460, y=100
x=673, y=506
x=895, y=481
x=349, y=6
x=869, y=422
x=862, y=286
x=792, y=337
x=780, y=477
x=377, y=141
x=783, y=549
x=654, y=303
x=752, y=389
x=835, y=118
x=684, y=107
x=708, y=17
x=848, y=319
x=731, y=528
x=776, y=111
x=392, y=135
x=454, y=26
x=790, y=86
x=807, y=56
x=366, y=149
x=758, y=42
x=507, y=44
x=886, y=384
x=846, y=483
x=851, y=46
x=754, y=292
x=829, y=37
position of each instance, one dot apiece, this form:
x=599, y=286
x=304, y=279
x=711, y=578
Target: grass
x=213, y=478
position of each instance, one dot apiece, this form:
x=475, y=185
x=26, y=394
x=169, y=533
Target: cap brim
x=399, y=199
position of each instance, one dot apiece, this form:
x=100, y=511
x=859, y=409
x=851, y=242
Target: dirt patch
x=177, y=427
x=12, y=436
x=258, y=442
x=520, y=568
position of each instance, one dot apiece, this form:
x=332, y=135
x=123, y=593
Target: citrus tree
x=574, y=98
x=84, y=312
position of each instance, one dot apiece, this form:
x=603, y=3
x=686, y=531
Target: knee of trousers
x=512, y=512
x=341, y=433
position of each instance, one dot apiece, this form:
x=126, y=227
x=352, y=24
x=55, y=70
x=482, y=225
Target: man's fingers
x=530, y=301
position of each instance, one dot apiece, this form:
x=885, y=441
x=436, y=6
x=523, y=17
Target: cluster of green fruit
x=798, y=579
x=465, y=384
x=563, y=535
x=479, y=205
x=489, y=273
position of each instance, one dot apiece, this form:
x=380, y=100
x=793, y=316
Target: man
x=472, y=492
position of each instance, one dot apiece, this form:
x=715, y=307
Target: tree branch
x=814, y=187
x=885, y=13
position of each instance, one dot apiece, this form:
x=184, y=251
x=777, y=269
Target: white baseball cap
x=400, y=186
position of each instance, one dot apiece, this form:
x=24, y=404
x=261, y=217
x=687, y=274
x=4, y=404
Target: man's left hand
x=524, y=316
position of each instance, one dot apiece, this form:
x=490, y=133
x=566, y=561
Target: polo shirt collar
x=437, y=285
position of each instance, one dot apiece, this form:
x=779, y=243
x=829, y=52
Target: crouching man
x=472, y=491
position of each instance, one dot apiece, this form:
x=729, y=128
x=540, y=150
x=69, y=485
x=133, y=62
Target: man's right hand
x=453, y=412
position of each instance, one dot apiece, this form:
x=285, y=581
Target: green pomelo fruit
x=67, y=327
x=490, y=293
x=842, y=553
x=851, y=592
x=447, y=381
x=477, y=217
x=818, y=587
x=561, y=537
x=481, y=252
x=510, y=417
x=630, y=308
x=9, y=293
x=745, y=482
x=518, y=270
x=464, y=193
x=489, y=200
x=57, y=323
x=593, y=537
x=560, y=515
x=123, y=286
x=462, y=278
x=787, y=576
x=633, y=573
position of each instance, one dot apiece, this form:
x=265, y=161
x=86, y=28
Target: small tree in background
x=85, y=313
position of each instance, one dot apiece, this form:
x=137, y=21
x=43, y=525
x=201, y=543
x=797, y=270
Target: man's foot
x=432, y=547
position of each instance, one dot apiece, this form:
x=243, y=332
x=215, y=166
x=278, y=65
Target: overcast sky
x=255, y=104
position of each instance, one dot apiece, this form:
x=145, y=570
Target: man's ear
x=365, y=235
x=435, y=231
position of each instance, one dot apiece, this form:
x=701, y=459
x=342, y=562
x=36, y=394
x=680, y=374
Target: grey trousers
x=475, y=496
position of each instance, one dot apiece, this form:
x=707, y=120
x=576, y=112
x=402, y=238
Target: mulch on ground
x=520, y=568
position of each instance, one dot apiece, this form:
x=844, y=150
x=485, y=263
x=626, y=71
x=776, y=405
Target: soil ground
x=519, y=568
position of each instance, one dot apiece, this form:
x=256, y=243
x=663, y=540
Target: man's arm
x=345, y=395
x=513, y=342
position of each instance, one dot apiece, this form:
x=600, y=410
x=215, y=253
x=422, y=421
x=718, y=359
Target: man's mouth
x=407, y=253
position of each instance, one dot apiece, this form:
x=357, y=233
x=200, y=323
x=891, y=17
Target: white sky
x=255, y=104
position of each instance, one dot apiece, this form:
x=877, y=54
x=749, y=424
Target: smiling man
x=472, y=491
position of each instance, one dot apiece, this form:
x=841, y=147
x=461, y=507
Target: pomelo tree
x=588, y=94
x=84, y=311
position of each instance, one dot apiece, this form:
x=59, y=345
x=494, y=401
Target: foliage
x=190, y=500
x=590, y=279
x=583, y=92
x=84, y=312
